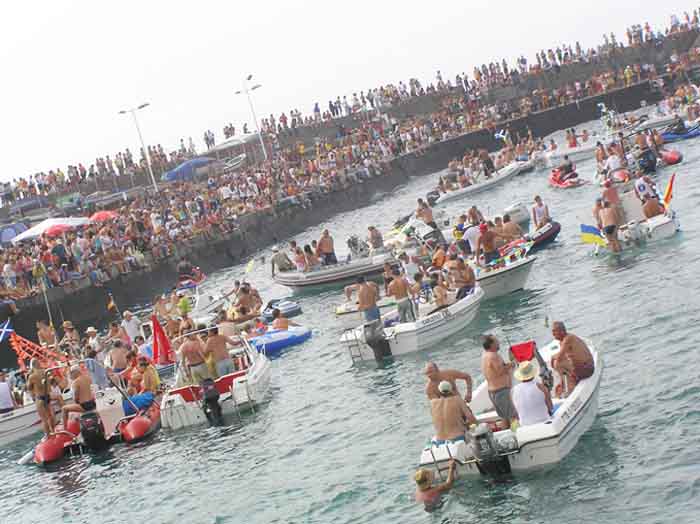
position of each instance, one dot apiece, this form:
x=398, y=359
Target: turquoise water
x=339, y=443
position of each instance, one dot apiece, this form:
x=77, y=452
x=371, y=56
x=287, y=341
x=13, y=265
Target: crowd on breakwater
x=111, y=171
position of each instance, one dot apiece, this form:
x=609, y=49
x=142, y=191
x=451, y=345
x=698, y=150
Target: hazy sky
x=69, y=67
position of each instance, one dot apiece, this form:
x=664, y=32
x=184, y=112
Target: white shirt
x=131, y=327
x=471, y=235
x=529, y=402
x=6, y=396
x=612, y=163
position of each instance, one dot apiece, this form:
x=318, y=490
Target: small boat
x=504, y=277
x=113, y=420
x=435, y=198
x=486, y=450
x=210, y=401
x=670, y=136
x=576, y=154
x=374, y=341
x=272, y=342
x=518, y=213
x=670, y=157
x=537, y=240
x=287, y=307
x=335, y=273
x=554, y=180
x=638, y=229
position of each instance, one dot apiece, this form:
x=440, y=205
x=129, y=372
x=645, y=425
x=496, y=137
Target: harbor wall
x=86, y=305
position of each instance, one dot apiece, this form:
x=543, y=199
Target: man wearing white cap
x=450, y=413
x=280, y=261
x=531, y=399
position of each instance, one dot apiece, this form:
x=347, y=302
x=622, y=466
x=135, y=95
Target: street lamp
x=247, y=91
x=143, y=146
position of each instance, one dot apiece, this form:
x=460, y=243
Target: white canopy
x=38, y=230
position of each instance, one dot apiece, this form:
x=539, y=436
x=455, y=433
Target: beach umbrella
x=57, y=230
x=103, y=216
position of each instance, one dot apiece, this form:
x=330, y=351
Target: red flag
x=162, y=350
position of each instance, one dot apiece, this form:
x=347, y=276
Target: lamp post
x=247, y=90
x=143, y=146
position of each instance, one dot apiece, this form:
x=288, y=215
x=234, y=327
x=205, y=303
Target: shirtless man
x=511, y=230
x=611, y=195
x=326, y=249
x=118, y=358
x=652, y=208
x=487, y=243
x=462, y=278
x=498, y=377
x=192, y=354
x=574, y=361
x=45, y=334
x=400, y=290
x=245, y=299
x=83, y=398
x=38, y=388
x=435, y=376
x=540, y=213
x=439, y=290
x=597, y=208
x=367, y=296
x=425, y=213
x=450, y=413
x=226, y=327
x=374, y=238
x=609, y=221
x=279, y=321
x=216, y=346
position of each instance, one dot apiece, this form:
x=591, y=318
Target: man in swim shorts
x=83, y=398
x=367, y=295
x=498, y=378
x=609, y=221
x=574, y=361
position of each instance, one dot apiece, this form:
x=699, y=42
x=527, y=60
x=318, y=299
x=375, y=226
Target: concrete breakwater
x=87, y=305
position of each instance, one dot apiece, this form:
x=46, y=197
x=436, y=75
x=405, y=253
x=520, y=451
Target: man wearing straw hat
x=531, y=399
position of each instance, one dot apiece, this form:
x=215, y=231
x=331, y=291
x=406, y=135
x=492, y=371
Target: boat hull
x=335, y=274
x=501, y=282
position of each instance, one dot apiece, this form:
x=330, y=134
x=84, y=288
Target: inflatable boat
x=275, y=340
x=554, y=180
x=670, y=136
x=670, y=157
x=288, y=308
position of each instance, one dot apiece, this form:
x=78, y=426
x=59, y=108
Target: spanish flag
x=592, y=235
x=668, y=194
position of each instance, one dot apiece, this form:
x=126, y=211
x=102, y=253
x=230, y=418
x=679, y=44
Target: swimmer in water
x=431, y=494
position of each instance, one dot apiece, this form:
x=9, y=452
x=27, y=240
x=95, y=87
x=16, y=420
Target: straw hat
x=527, y=370
x=67, y=324
x=423, y=478
x=91, y=330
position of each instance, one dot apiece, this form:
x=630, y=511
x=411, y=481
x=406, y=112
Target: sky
x=69, y=67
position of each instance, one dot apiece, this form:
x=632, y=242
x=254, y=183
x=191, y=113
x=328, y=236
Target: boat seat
x=223, y=384
x=188, y=393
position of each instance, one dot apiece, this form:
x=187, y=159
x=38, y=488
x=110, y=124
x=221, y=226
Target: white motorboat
x=374, y=341
x=487, y=451
x=340, y=272
x=576, y=154
x=500, y=176
x=230, y=394
x=504, y=279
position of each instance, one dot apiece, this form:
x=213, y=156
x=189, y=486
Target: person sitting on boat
x=38, y=388
x=280, y=261
x=312, y=261
x=436, y=375
x=487, y=243
x=71, y=339
x=677, y=127
x=83, y=397
x=326, y=249
x=511, y=230
x=425, y=214
x=439, y=256
x=367, y=296
x=401, y=291
x=540, y=213
x=185, y=270
x=216, y=346
x=474, y=216
x=645, y=189
x=300, y=260
x=450, y=413
x=566, y=170
x=150, y=380
x=652, y=208
x=462, y=278
x=531, y=400
x=574, y=362
x=464, y=180
x=498, y=378
x=487, y=163
x=7, y=399
x=280, y=322
x=409, y=266
x=427, y=492
x=192, y=355
x=374, y=238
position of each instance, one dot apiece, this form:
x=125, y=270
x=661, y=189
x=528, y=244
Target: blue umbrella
x=185, y=171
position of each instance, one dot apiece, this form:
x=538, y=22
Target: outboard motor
x=358, y=247
x=489, y=461
x=210, y=402
x=92, y=431
x=375, y=338
x=432, y=197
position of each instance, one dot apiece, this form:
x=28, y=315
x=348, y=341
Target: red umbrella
x=103, y=216
x=57, y=230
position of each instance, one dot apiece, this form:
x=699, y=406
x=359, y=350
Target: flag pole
x=46, y=301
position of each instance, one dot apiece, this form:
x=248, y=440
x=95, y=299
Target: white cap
x=445, y=387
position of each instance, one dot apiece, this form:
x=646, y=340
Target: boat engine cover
x=92, y=430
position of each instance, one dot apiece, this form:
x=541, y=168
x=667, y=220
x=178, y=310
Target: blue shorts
x=372, y=314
